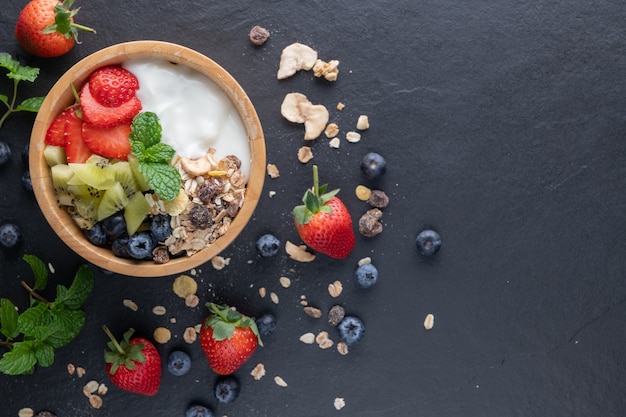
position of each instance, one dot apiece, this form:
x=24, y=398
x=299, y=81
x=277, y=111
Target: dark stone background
x=503, y=124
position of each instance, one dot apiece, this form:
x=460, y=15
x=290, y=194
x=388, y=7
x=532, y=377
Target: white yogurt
x=194, y=112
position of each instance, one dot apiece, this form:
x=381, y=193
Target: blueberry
x=10, y=235
x=428, y=242
x=366, y=275
x=267, y=245
x=351, y=330
x=141, y=245
x=114, y=226
x=120, y=247
x=25, y=153
x=198, y=411
x=160, y=227
x=96, y=235
x=5, y=153
x=226, y=389
x=266, y=324
x=26, y=181
x=178, y=363
x=373, y=165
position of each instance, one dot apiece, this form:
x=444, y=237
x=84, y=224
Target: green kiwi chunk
x=113, y=200
x=135, y=212
x=54, y=155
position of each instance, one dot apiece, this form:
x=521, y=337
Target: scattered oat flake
x=308, y=338
x=342, y=348
x=162, y=335
x=95, y=401
x=190, y=335
x=363, y=122
x=362, y=192
x=219, y=262
x=184, y=285
x=92, y=386
x=159, y=310
x=279, y=381
x=340, y=106
x=262, y=292
x=51, y=268
x=305, y=154
x=71, y=368
x=272, y=171
x=130, y=304
x=258, y=372
x=192, y=300
x=271, y=194
x=285, y=282
x=335, y=289
x=274, y=297
x=363, y=261
x=339, y=403
x=26, y=412
x=80, y=372
x=334, y=143
x=353, y=137
x=298, y=253
x=331, y=130
x=314, y=312
x=429, y=321
x=102, y=389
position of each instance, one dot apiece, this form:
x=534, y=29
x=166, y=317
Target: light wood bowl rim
x=60, y=96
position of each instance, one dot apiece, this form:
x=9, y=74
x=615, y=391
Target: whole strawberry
x=323, y=221
x=46, y=28
x=133, y=364
x=228, y=338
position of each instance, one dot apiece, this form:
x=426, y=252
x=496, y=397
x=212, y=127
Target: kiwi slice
x=61, y=175
x=140, y=179
x=94, y=175
x=135, y=212
x=82, y=222
x=98, y=160
x=113, y=200
x=54, y=155
x=123, y=174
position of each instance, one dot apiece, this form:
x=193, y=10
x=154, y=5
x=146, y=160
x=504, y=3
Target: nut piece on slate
x=259, y=35
x=328, y=70
x=294, y=58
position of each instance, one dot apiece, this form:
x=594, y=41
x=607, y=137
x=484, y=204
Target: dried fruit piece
x=297, y=108
x=259, y=35
x=184, y=285
x=363, y=193
x=294, y=58
x=298, y=253
x=369, y=224
x=363, y=122
x=378, y=199
x=162, y=335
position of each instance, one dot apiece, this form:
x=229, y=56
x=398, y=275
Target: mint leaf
x=32, y=104
x=74, y=297
x=8, y=319
x=65, y=327
x=35, y=316
x=159, y=153
x=39, y=270
x=17, y=71
x=19, y=360
x=44, y=353
x=163, y=178
x=138, y=149
x=146, y=129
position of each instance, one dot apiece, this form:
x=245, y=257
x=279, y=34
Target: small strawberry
x=110, y=142
x=113, y=85
x=103, y=116
x=133, y=365
x=323, y=222
x=75, y=148
x=46, y=28
x=228, y=338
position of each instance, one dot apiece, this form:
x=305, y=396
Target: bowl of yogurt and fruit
x=147, y=158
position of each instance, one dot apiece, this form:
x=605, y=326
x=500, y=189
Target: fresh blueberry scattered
x=96, y=235
x=267, y=245
x=141, y=245
x=114, y=226
x=351, y=330
x=366, y=275
x=160, y=227
x=27, y=183
x=373, y=165
x=198, y=411
x=266, y=324
x=25, y=153
x=5, y=153
x=428, y=242
x=178, y=363
x=119, y=247
x=10, y=235
x=226, y=389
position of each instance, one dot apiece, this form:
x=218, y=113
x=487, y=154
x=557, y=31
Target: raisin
x=369, y=225
x=207, y=192
x=259, y=35
x=160, y=255
x=200, y=217
x=378, y=199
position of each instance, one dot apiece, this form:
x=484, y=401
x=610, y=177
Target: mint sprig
x=18, y=72
x=32, y=336
x=154, y=156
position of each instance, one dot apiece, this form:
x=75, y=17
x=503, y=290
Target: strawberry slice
x=103, y=116
x=55, y=135
x=110, y=142
x=75, y=148
x=113, y=85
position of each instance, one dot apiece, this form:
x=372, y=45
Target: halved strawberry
x=103, y=116
x=113, y=85
x=55, y=135
x=110, y=142
x=75, y=149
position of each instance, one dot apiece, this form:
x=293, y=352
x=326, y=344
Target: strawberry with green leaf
x=134, y=364
x=323, y=221
x=228, y=338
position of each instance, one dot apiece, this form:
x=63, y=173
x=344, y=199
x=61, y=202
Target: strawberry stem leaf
x=225, y=319
x=123, y=353
x=315, y=201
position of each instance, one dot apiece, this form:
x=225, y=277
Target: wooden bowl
x=60, y=96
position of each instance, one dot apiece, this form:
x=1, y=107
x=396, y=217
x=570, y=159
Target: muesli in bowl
x=147, y=158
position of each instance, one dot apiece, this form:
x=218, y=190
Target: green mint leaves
x=32, y=336
x=17, y=73
x=154, y=157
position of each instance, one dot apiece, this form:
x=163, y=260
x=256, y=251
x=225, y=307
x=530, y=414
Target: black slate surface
x=503, y=124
